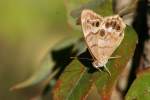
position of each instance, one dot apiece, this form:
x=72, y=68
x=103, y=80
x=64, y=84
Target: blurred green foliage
x=28, y=29
x=140, y=89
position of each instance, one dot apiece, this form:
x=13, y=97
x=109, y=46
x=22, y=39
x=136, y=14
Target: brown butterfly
x=102, y=35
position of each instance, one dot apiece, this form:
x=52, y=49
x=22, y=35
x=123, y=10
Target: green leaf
x=40, y=75
x=140, y=89
x=73, y=82
x=77, y=79
x=66, y=42
x=62, y=48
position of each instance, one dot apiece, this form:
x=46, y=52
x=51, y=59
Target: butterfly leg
x=115, y=57
x=98, y=69
x=107, y=70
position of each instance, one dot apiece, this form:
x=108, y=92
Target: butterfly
x=102, y=36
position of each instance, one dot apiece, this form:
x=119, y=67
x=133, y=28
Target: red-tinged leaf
x=74, y=83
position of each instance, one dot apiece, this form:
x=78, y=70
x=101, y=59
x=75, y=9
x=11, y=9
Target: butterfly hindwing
x=111, y=33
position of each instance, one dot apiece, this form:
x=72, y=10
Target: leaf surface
x=79, y=76
x=140, y=89
x=77, y=79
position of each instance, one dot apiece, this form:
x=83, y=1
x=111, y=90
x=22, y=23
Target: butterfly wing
x=91, y=22
x=102, y=35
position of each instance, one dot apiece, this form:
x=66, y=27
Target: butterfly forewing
x=90, y=24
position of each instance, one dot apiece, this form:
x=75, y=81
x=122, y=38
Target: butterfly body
x=102, y=35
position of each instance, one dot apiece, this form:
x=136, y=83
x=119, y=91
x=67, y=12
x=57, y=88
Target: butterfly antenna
x=82, y=58
x=107, y=70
